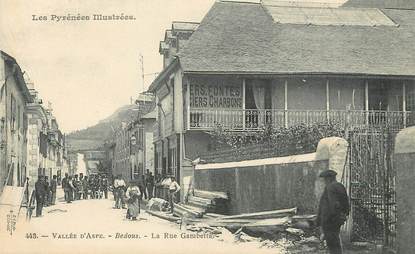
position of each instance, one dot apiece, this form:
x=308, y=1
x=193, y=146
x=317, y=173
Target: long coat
x=333, y=207
x=40, y=189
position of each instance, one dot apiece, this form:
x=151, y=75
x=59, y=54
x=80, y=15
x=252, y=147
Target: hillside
x=93, y=137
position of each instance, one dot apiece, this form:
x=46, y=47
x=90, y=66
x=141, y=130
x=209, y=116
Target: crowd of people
x=84, y=187
x=146, y=187
x=126, y=196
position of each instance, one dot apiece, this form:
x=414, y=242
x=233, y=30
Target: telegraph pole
x=141, y=59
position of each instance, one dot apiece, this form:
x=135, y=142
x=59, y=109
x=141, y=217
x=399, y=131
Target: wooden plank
x=214, y=215
x=194, y=208
x=163, y=215
x=263, y=215
x=191, y=212
x=201, y=200
x=210, y=194
x=268, y=227
x=269, y=223
x=199, y=205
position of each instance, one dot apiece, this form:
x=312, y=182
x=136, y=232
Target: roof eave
x=163, y=75
x=288, y=74
x=19, y=76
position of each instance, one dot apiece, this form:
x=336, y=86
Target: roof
x=168, y=35
x=329, y=16
x=382, y=4
x=305, y=3
x=182, y=25
x=18, y=75
x=243, y=38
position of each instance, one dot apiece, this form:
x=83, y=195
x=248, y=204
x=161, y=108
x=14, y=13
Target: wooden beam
x=286, y=103
x=328, y=99
x=263, y=215
x=243, y=102
x=210, y=194
x=404, y=103
x=188, y=104
x=367, y=100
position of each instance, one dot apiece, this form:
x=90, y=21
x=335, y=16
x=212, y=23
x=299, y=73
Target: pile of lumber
x=267, y=223
x=257, y=219
x=201, y=202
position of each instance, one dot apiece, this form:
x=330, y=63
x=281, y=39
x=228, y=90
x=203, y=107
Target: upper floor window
x=13, y=112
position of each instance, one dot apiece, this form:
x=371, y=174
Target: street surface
x=61, y=227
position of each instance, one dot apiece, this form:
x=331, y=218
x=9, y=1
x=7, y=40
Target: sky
x=88, y=69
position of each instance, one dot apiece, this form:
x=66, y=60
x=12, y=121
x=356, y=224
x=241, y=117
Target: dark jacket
x=333, y=207
x=53, y=185
x=40, y=189
x=65, y=183
x=150, y=180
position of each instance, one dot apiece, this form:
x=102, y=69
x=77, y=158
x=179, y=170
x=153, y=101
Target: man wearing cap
x=332, y=211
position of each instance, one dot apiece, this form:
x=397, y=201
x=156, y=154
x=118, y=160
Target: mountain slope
x=93, y=137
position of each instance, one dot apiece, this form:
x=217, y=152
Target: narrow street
x=61, y=227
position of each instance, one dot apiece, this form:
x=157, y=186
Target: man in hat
x=53, y=185
x=332, y=211
x=40, y=190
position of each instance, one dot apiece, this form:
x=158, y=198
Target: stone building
x=37, y=136
x=14, y=97
x=131, y=152
x=56, y=158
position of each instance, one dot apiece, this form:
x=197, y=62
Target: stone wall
x=274, y=183
x=404, y=161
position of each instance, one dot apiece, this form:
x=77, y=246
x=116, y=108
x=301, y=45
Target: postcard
x=207, y=126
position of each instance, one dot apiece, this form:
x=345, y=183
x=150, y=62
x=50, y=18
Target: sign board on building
x=215, y=93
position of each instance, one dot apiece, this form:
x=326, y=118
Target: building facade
x=131, y=151
x=247, y=66
x=37, y=137
x=14, y=97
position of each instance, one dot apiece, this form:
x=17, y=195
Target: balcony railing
x=252, y=119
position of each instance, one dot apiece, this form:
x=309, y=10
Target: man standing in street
x=174, y=187
x=65, y=186
x=149, y=184
x=53, y=185
x=70, y=189
x=75, y=183
x=85, y=187
x=142, y=185
x=119, y=186
x=47, y=189
x=104, y=186
x=332, y=211
x=40, y=190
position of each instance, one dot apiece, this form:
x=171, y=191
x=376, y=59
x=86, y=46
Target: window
x=174, y=43
x=18, y=117
x=13, y=113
